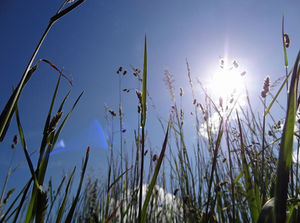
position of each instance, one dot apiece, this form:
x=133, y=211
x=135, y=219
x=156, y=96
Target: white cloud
x=162, y=200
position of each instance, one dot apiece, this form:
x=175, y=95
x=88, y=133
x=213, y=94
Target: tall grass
x=237, y=168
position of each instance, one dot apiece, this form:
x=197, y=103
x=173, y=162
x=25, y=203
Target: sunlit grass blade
x=154, y=177
x=63, y=203
x=286, y=147
x=75, y=201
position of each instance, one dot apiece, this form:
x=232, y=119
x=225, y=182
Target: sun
x=227, y=80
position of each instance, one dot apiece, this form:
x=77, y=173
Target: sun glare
x=227, y=80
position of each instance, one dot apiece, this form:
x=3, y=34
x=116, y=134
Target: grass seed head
x=54, y=121
x=222, y=63
x=15, y=140
x=243, y=73
x=181, y=92
x=235, y=64
x=139, y=95
x=221, y=102
x=286, y=40
x=112, y=112
x=266, y=87
x=119, y=70
x=154, y=157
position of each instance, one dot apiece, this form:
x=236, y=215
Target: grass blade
x=252, y=199
x=143, y=121
x=53, y=200
x=118, y=178
x=154, y=177
x=23, y=142
x=286, y=147
x=286, y=63
x=75, y=201
x=277, y=94
x=144, y=91
x=63, y=204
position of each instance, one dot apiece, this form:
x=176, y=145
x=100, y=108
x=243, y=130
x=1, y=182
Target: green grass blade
x=23, y=142
x=154, y=177
x=63, y=204
x=286, y=63
x=7, y=113
x=75, y=201
x=118, y=178
x=56, y=195
x=42, y=163
x=65, y=119
x=144, y=91
x=63, y=102
x=3, y=217
x=277, y=94
x=8, y=110
x=252, y=199
x=46, y=126
x=42, y=166
x=286, y=147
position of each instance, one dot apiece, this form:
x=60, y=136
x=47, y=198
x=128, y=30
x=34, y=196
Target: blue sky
x=99, y=36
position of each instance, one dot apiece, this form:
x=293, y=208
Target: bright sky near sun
x=99, y=36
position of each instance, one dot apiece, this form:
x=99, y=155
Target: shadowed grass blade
x=286, y=147
x=7, y=113
x=154, y=177
x=252, y=199
x=56, y=195
x=63, y=204
x=23, y=142
x=75, y=201
x=66, y=118
x=118, y=178
x=143, y=121
x=3, y=217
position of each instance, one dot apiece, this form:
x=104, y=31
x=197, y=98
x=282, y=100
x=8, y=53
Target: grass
x=239, y=168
